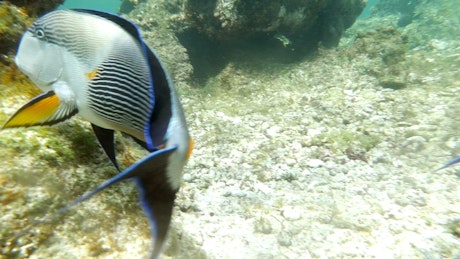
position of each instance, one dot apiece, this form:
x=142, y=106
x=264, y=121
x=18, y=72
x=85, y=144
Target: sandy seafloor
x=307, y=160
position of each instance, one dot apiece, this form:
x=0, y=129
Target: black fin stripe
x=162, y=112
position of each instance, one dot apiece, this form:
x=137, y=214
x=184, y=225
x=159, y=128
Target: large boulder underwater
x=213, y=33
x=299, y=21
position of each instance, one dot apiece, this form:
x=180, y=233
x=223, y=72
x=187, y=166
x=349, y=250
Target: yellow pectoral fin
x=37, y=111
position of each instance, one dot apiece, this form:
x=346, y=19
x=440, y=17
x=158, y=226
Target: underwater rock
x=198, y=39
x=16, y=16
x=13, y=22
x=37, y=7
x=129, y=5
x=299, y=21
x=157, y=19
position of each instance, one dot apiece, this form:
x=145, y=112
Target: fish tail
x=155, y=193
x=157, y=202
x=156, y=196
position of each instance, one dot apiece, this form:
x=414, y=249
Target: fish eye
x=40, y=33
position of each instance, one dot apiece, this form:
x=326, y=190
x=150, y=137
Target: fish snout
x=41, y=61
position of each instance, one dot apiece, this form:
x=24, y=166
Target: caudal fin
x=157, y=199
x=155, y=194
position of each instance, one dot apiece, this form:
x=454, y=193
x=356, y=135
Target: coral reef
x=127, y=6
x=16, y=16
x=37, y=7
x=413, y=16
x=13, y=22
x=430, y=18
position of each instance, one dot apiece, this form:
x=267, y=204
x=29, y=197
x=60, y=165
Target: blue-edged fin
x=106, y=140
x=157, y=199
x=45, y=109
x=155, y=193
x=450, y=163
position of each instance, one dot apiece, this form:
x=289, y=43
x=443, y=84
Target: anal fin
x=106, y=140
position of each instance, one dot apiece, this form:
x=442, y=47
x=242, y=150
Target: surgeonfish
x=96, y=65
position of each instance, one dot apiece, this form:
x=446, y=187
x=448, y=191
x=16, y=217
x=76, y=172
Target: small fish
x=96, y=65
x=450, y=163
x=283, y=39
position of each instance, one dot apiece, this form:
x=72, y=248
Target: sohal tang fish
x=97, y=65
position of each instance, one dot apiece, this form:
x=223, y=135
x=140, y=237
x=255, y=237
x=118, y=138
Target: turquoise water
x=102, y=5
x=367, y=10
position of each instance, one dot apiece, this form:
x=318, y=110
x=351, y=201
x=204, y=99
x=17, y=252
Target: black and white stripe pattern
x=82, y=40
x=120, y=93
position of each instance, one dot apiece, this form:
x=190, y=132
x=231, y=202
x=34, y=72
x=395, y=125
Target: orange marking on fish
x=190, y=147
x=91, y=74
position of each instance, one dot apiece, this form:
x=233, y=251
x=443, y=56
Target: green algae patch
x=343, y=140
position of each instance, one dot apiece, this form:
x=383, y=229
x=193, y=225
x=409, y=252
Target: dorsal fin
x=128, y=26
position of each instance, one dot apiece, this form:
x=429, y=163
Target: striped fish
x=96, y=65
